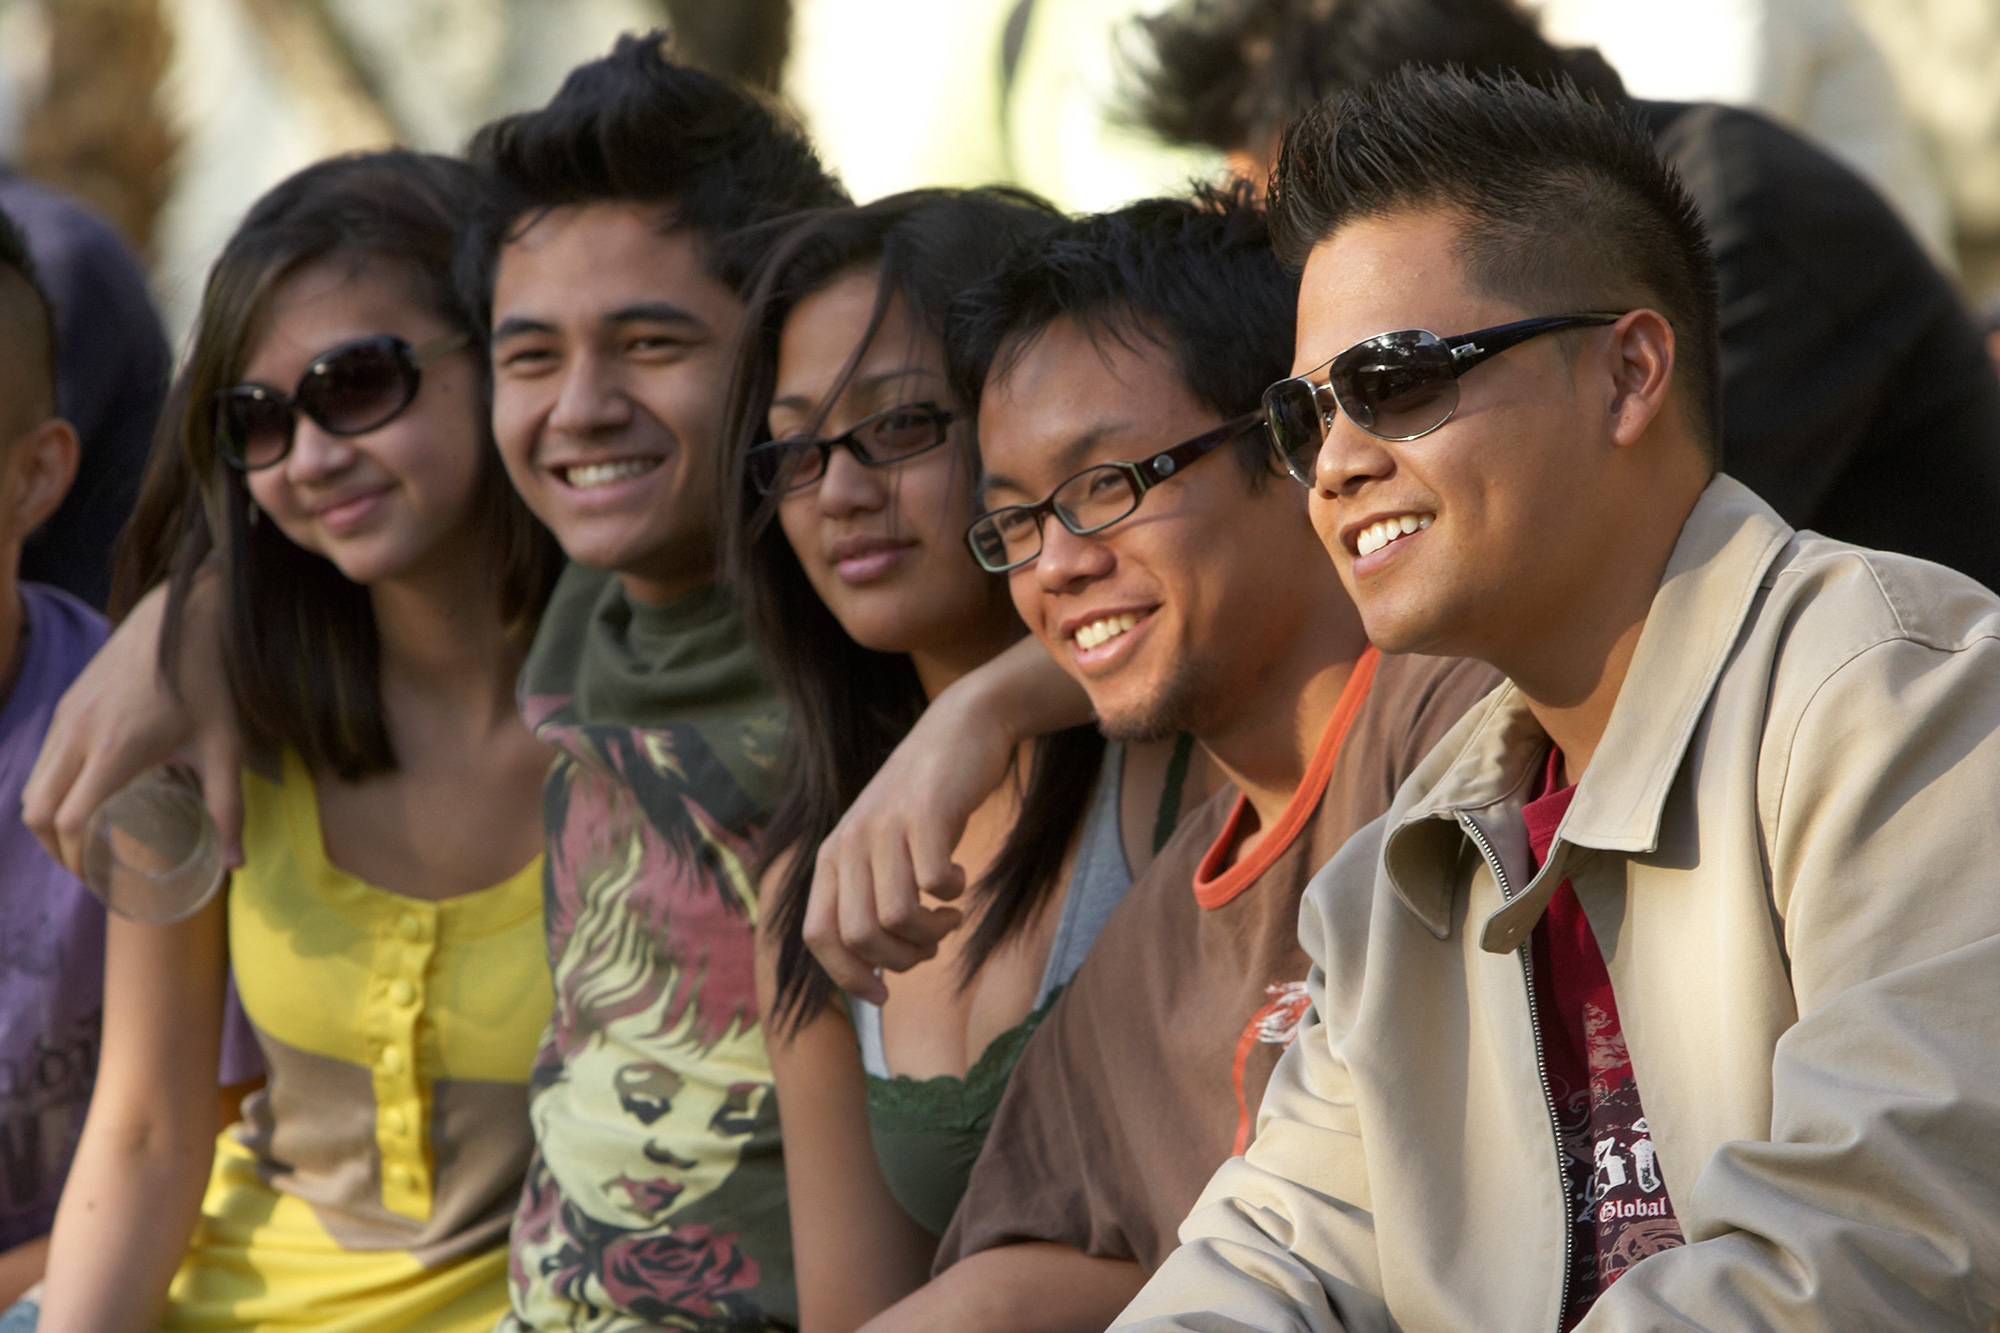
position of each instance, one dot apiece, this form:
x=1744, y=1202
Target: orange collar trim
x=1215, y=886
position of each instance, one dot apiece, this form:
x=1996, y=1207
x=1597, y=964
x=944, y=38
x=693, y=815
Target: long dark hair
x=851, y=705
x=300, y=640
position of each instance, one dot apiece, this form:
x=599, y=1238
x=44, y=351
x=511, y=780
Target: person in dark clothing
x=111, y=372
x=1857, y=397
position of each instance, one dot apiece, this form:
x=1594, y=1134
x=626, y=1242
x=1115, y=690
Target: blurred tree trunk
x=99, y=131
x=745, y=39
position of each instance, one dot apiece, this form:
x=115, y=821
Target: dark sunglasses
x=1091, y=501
x=1395, y=386
x=351, y=390
x=892, y=436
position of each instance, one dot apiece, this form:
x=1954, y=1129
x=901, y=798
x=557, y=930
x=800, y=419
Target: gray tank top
x=928, y=1132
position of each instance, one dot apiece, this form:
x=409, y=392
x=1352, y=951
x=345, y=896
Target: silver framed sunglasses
x=1395, y=386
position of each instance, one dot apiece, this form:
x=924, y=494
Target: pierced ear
x=1641, y=348
x=44, y=463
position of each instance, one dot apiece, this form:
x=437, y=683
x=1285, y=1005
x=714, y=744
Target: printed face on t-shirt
x=1166, y=616
x=610, y=363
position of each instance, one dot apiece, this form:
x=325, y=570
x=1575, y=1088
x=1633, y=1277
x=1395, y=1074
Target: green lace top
x=928, y=1132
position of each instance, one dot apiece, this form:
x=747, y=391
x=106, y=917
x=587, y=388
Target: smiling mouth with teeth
x=1383, y=531
x=1103, y=631
x=583, y=476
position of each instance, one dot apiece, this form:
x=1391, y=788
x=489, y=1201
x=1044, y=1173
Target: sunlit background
x=170, y=116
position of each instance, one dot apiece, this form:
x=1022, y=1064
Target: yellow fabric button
x=410, y=928
x=392, y=1059
x=395, y=1121
x=402, y=992
x=403, y=1177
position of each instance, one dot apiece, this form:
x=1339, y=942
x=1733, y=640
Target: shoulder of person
x=1838, y=600
x=65, y=618
x=1764, y=188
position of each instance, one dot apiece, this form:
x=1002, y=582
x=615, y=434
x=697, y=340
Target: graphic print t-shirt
x=656, y=1196
x=1147, y=1074
x=51, y=941
x=1618, y=1204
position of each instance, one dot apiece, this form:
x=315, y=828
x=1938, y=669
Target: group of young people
x=761, y=796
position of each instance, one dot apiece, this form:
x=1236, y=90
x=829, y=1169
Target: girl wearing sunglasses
x=853, y=481
x=325, y=485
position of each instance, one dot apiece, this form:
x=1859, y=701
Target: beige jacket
x=1788, y=845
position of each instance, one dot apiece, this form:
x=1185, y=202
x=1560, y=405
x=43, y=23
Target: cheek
x=516, y=407
x=798, y=519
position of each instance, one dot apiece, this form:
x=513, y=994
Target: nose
x=590, y=401
x=1067, y=561
x=849, y=488
x=316, y=454
x=1349, y=458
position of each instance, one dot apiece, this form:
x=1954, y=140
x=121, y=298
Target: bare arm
x=1038, y=1287
x=119, y=719
x=21, y=1268
x=894, y=844
x=134, y=1190
x=855, y=1251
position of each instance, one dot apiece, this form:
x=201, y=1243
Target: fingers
x=219, y=762
x=107, y=766
x=924, y=850
x=822, y=932
x=54, y=773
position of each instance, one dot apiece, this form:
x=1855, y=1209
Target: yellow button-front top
x=402, y=992
x=392, y=1059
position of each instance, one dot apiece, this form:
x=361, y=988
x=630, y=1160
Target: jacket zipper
x=1472, y=831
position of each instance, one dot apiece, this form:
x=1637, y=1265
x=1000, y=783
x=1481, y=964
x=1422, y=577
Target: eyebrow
x=654, y=312
x=643, y=312
x=1069, y=459
x=515, y=325
x=798, y=402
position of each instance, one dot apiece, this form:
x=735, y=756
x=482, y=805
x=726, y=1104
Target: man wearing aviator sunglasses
x=1106, y=362
x=1663, y=994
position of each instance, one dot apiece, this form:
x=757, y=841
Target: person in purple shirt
x=51, y=929
x=112, y=366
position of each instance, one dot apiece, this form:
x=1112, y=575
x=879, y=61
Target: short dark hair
x=303, y=655
x=27, y=288
x=1196, y=276
x=1567, y=206
x=1233, y=74
x=635, y=127
x=850, y=705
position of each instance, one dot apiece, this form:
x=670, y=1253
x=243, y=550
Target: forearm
x=135, y=1187
x=21, y=1268
x=1023, y=691
x=127, y=1210
x=1031, y=1288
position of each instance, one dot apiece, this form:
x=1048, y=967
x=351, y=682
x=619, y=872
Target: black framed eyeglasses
x=355, y=388
x=1395, y=386
x=891, y=436
x=1091, y=501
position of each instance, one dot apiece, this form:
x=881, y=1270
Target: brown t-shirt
x=1147, y=1073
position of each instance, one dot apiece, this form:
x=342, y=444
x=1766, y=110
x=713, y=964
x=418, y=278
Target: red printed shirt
x=1619, y=1209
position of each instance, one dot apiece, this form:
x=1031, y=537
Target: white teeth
x=1383, y=531
x=1105, y=630
x=585, y=475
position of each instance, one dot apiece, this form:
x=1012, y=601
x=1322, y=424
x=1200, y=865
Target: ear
x=42, y=462
x=1640, y=358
